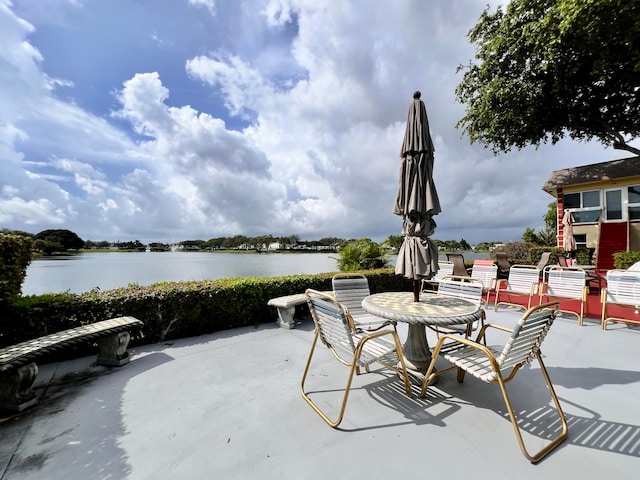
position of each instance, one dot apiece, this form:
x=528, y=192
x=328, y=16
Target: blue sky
x=164, y=120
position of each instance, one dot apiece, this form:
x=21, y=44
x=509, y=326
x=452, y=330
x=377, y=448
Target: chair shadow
x=433, y=409
x=538, y=418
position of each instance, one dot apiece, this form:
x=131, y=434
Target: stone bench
x=287, y=308
x=18, y=369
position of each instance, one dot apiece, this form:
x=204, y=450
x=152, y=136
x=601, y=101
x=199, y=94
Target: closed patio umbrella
x=568, y=240
x=417, y=200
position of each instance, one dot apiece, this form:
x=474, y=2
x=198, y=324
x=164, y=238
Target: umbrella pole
x=416, y=290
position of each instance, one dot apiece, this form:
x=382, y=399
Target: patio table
x=433, y=310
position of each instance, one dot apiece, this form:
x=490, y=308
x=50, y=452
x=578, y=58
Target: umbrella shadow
x=589, y=378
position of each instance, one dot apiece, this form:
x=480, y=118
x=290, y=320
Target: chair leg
x=332, y=423
x=534, y=458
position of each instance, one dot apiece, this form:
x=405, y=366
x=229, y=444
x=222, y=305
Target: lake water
x=85, y=271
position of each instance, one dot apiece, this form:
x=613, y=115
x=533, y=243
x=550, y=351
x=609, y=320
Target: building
x=604, y=199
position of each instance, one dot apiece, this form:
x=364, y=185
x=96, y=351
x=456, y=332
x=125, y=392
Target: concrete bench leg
x=113, y=350
x=285, y=317
x=16, y=392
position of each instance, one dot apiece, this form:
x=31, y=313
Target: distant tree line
x=49, y=242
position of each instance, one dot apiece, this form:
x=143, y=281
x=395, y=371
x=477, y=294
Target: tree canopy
x=544, y=69
x=68, y=239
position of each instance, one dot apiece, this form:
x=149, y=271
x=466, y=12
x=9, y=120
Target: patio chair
x=545, y=258
x=459, y=267
x=487, y=272
x=503, y=263
x=349, y=289
x=492, y=365
x=523, y=280
x=350, y=346
x=622, y=290
x=590, y=277
x=566, y=284
x=445, y=268
x=461, y=287
x=562, y=260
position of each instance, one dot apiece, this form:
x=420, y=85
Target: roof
x=596, y=172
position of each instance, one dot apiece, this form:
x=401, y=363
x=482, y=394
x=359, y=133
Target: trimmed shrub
x=170, y=310
x=15, y=256
x=624, y=260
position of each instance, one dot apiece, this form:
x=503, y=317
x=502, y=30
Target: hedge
x=15, y=256
x=170, y=310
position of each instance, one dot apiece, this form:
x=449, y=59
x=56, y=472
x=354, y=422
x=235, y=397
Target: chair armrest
x=469, y=343
x=374, y=327
x=483, y=330
x=380, y=333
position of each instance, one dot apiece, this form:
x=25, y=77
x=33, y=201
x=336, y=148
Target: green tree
x=551, y=217
x=15, y=256
x=394, y=241
x=362, y=254
x=547, y=235
x=530, y=236
x=464, y=245
x=548, y=68
x=68, y=239
x=47, y=247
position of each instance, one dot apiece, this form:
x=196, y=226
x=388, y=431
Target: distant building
x=274, y=246
x=604, y=199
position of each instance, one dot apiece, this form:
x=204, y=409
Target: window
x=581, y=240
x=613, y=203
x=620, y=204
x=633, y=195
x=585, y=206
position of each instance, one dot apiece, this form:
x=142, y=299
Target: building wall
x=591, y=230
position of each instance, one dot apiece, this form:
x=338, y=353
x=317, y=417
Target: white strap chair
x=500, y=366
x=444, y=268
x=487, y=272
x=622, y=290
x=350, y=346
x=349, y=289
x=568, y=283
x=523, y=281
x=467, y=288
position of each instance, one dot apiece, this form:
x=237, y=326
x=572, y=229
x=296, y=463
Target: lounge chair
x=459, y=267
x=545, y=258
x=503, y=263
x=350, y=346
x=501, y=366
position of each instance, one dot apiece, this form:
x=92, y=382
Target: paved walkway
x=228, y=406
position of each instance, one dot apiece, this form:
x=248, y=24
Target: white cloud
x=208, y=4
x=316, y=97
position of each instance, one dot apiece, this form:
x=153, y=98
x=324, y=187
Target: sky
x=171, y=120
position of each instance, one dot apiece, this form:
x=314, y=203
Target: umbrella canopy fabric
x=417, y=199
x=568, y=240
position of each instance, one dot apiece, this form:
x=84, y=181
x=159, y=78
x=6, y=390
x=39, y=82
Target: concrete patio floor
x=228, y=406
